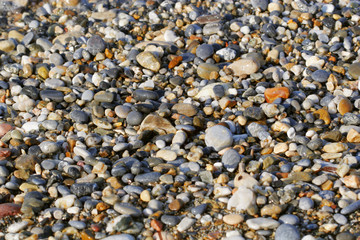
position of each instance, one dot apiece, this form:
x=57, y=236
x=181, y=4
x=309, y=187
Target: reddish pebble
x=157, y=225
x=175, y=61
x=80, y=163
x=4, y=153
x=9, y=209
x=95, y=227
x=4, y=128
x=278, y=92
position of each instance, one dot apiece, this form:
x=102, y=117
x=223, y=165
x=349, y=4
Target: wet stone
x=103, y=96
x=170, y=220
x=128, y=209
x=147, y=178
x=142, y=95
x=354, y=70
x=204, y=70
x=52, y=95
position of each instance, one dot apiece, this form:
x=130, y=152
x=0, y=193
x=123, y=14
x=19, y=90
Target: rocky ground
x=216, y=119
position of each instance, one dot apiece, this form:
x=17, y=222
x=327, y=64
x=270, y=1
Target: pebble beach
x=169, y=120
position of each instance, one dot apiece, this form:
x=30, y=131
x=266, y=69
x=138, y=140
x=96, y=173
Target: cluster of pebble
x=187, y=119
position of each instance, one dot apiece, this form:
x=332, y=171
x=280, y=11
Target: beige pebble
x=99, y=167
x=233, y=219
x=353, y=136
x=280, y=148
x=167, y=155
x=280, y=127
x=335, y=147
x=352, y=181
x=145, y=196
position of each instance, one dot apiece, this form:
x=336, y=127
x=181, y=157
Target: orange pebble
x=175, y=61
x=278, y=92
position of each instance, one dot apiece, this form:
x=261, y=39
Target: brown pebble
x=87, y=235
x=176, y=205
x=345, y=106
x=9, y=209
x=175, y=61
x=156, y=224
x=101, y=206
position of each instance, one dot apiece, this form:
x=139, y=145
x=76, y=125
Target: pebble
x=204, y=51
x=289, y=219
x=212, y=137
x=185, y=224
x=233, y=219
x=262, y=223
x=287, y=231
x=244, y=67
x=95, y=45
x=205, y=70
x=120, y=118
x=149, y=61
x=17, y=227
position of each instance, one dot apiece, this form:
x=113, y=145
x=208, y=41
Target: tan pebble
x=274, y=6
x=233, y=219
x=353, y=136
x=16, y=35
x=114, y=182
x=342, y=169
x=280, y=127
x=328, y=227
x=99, y=167
x=145, y=196
x=7, y=46
x=53, y=192
x=28, y=187
x=222, y=178
x=208, y=110
x=241, y=120
x=328, y=156
x=163, y=236
x=270, y=210
x=99, y=217
x=352, y=181
x=280, y=148
x=167, y=155
x=244, y=67
x=335, y=147
x=245, y=180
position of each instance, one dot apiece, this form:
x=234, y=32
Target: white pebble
x=17, y=227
